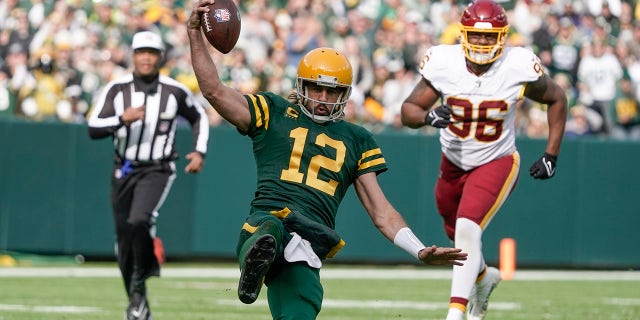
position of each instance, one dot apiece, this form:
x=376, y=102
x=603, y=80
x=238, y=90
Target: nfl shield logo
x=164, y=126
x=222, y=15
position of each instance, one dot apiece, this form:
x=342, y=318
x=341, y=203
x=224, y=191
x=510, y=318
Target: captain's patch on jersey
x=292, y=113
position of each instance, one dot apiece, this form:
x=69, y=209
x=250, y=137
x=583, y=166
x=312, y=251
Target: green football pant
x=257, y=225
x=295, y=292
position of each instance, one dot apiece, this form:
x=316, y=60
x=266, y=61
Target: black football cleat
x=255, y=266
x=138, y=308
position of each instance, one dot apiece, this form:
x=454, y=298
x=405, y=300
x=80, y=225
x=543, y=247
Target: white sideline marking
x=623, y=301
x=326, y=273
x=383, y=304
x=48, y=309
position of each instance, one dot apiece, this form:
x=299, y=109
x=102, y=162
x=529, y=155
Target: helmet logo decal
x=328, y=81
x=483, y=25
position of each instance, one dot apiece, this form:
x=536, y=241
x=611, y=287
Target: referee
x=139, y=111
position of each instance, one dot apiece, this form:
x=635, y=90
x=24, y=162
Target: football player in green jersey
x=306, y=157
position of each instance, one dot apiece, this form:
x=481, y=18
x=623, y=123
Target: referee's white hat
x=147, y=39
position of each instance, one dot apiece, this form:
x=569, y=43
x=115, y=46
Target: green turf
x=80, y=298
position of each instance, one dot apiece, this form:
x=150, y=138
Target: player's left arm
x=546, y=90
x=384, y=216
x=393, y=226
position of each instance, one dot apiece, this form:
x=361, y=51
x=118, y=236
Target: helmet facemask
x=483, y=54
x=336, y=109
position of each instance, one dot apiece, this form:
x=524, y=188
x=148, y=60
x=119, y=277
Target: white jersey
x=483, y=107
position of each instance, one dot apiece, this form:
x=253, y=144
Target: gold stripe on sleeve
x=371, y=163
x=256, y=110
x=265, y=111
x=369, y=153
x=362, y=164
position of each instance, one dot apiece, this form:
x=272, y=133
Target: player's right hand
x=198, y=8
x=439, y=117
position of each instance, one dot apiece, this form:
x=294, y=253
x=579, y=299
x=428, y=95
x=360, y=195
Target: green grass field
x=351, y=293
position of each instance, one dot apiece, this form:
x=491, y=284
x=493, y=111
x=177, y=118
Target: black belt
x=145, y=163
x=136, y=163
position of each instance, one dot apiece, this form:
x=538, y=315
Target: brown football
x=221, y=25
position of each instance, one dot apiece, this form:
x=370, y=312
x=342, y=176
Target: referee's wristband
x=407, y=241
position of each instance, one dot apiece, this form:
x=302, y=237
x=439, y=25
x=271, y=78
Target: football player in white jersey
x=479, y=82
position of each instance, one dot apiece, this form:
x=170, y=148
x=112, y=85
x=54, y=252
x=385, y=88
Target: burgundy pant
x=476, y=194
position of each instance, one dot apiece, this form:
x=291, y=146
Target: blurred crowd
x=56, y=55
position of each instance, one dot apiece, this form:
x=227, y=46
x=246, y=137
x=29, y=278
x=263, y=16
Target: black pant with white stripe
x=136, y=196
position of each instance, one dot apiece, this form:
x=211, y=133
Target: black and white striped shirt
x=154, y=138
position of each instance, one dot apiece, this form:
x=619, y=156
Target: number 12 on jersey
x=293, y=174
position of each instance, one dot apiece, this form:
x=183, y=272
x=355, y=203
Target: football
x=221, y=25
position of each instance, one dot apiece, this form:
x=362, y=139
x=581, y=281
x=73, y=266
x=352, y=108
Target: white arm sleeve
x=407, y=241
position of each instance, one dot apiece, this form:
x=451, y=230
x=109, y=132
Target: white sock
x=455, y=314
x=468, y=237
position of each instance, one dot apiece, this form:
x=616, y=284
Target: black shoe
x=256, y=264
x=138, y=308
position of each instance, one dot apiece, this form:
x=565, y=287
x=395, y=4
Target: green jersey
x=303, y=165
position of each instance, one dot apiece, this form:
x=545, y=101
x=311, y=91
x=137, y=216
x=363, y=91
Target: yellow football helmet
x=483, y=16
x=324, y=67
